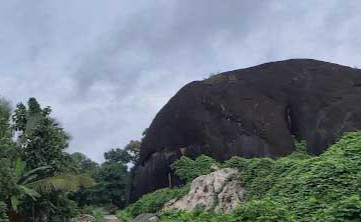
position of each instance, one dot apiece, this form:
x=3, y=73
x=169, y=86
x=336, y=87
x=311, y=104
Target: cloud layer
x=107, y=67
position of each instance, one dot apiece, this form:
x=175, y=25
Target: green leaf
x=19, y=167
x=63, y=182
x=30, y=192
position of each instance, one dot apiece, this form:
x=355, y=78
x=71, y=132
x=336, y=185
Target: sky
x=106, y=67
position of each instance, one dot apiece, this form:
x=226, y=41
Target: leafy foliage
x=188, y=169
x=264, y=210
x=347, y=209
x=153, y=202
x=7, y=179
x=83, y=165
x=113, y=180
x=311, y=184
x=34, y=172
x=298, y=187
x=3, y=216
x=193, y=216
x=113, y=176
x=253, y=211
x=41, y=139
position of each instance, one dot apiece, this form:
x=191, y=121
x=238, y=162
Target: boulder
x=252, y=112
x=220, y=191
x=146, y=217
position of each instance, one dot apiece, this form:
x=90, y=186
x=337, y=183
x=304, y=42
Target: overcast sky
x=108, y=66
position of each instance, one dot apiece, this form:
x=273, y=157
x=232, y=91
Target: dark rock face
x=253, y=112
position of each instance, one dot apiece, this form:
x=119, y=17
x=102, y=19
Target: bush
x=3, y=216
x=253, y=211
x=194, y=216
x=311, y=185
x=262, y=211
x=347, y=209
x=188, y=169
x=153, y=202
x=298, y=187
x=7, y=179
x=259, y=175
x=124, y=215
x=98, y=215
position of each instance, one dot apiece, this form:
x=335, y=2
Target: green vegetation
x=188, y=169
x=152, y=203
x=217, y=77
x=253, y=211
x=298, y=187
x=3, y=216
x=112, y=177
x=41, y=182
x=35, y=174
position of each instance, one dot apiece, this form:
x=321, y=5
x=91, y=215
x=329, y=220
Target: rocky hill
x=253, y=112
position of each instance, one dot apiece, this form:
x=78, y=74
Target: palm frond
x=14, y=202
x=32, y=174
x=19, y=167
x=30, y=192
x=63, y=182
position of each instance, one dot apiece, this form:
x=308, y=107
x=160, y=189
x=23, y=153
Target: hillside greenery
x=153, y=202
x=40, y=181
x=299, y=187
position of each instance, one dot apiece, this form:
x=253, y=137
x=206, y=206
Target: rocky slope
x=220, y=191
x=250, y=112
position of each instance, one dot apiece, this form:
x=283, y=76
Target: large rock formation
x=251, y=112
x=220, y=191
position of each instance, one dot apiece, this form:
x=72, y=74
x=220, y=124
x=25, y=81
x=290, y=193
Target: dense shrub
x=153, y=202
x=188, y=169
x=312, y=184
x=3, y=216
x=194, y=216
x=264, y=210
x=298, y=187
x=252, y=211
x=347, y=209
x=7, y=179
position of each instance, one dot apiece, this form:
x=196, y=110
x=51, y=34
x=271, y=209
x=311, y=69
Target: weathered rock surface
x=251, y=112
x=147, y=217
x=220, y=191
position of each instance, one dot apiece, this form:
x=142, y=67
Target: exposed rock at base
x=220, y=191
x=147, y=217
x=253, y=112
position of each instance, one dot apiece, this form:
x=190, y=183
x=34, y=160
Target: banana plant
x=33, y=183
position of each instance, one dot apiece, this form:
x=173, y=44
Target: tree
x=83, y=164
x=5, y=114
x=34, y=107
x=113, y=179
x=41, y=139
x=5, y=128
x=35, y=172
x=133, y=150
x=117, y=155
x=20, y=117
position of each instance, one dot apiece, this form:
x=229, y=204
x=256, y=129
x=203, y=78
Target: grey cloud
x=108, y=66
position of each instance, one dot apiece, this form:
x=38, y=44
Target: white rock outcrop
x=220, y=191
